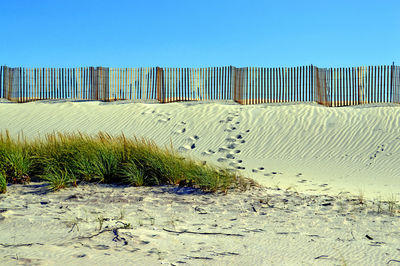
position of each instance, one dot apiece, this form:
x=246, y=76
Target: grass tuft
x=15, y=163
x=58, y=178
x=3, y=183
x=67, y=159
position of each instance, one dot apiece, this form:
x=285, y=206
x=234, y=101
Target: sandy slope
x=316, y=155
x=305, y=147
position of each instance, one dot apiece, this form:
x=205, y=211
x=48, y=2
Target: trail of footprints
x=191, y=140
x=231, y=150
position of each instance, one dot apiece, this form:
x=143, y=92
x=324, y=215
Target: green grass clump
x=67, y=159
x=3, y=183
x=14, y=159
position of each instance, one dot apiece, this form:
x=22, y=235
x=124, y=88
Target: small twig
x=352, y=235
x=200, y=233
x=199, y=258
x=253, y=230
x=99, y=233
x=20, y=245
x=321, y=257
x=72, y=228
x=370, y=238
x=225, y=253
x=393, y=261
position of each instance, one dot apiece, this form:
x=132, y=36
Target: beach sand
x=323, y=173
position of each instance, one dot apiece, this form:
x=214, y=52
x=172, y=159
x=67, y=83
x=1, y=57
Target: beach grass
x=3, y=183
x=66, y=160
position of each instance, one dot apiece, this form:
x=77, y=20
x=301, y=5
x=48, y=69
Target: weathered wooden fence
x=249, y=85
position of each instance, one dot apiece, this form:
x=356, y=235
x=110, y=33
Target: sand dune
x=306, y=147
x=330, y=176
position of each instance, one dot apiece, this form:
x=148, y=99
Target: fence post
x=317, y=85
x=391, y=82
x=311, y=83
x=5, y=82
x=96, y=82
x=1, y=81
x=359, y=85
x=233, y=83
x=8, y=84
x=160, y=85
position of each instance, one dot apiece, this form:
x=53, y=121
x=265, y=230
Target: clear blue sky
x=59, y=33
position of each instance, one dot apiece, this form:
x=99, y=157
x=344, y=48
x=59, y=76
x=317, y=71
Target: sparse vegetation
x=101, y=220
x=67, y=159
x=392, y=206
x=360, y=197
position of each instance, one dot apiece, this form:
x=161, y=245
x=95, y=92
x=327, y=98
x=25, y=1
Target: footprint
x=230, y=129
x=276, y=173
x=239, y=136
x=209, y=152
x=195, y=137
x=240, y=168
x=181, y=131
x=231, y=146
x=222, y=149
x=230, y=139
x=230, y=156
x=187, y=147
x=256, y=170
x=148, y=112
x=191, y=146
x=222, y=160
x=164, y=120
x=237, y=151
x=184, y=148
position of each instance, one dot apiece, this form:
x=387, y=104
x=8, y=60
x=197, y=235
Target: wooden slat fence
x=253, y=85
x=248, y=85
x=357, y=85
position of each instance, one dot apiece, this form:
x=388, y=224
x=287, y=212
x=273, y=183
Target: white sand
x=257, y=227
x=311, y=148
x=317, y=156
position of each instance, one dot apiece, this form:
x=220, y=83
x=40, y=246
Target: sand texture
x=329, y=177
x=166, y=225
